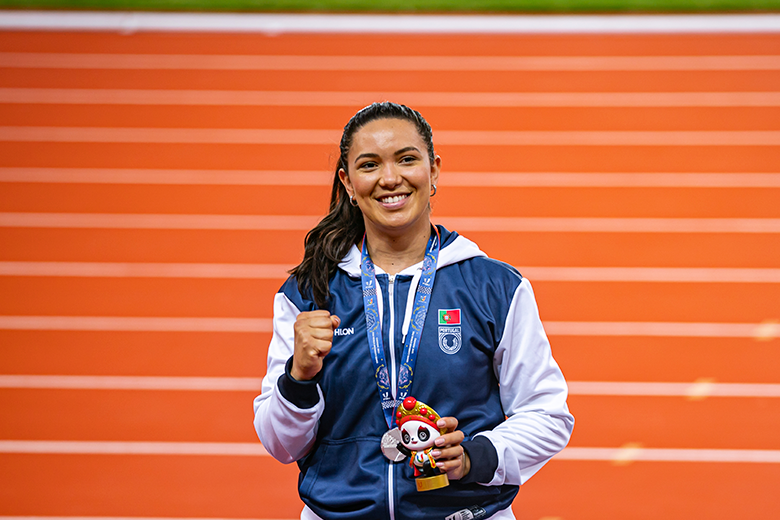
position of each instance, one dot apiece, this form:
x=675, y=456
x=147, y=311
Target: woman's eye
x=423, y=434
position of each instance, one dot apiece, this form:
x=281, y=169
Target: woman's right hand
x=313, y=341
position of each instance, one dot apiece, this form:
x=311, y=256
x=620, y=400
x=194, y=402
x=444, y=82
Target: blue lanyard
x=373, y=330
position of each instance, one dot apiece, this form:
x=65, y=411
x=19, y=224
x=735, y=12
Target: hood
x=454, y=249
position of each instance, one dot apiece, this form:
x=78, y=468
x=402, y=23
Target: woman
x=353, y=338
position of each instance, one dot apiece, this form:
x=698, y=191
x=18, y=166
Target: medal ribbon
x=422, y=299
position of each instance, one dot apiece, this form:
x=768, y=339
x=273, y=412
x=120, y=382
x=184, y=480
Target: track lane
x=228, y=488
x=151, y=485
x=641, y=202
x=582, y=358
x=440, y=81
x=247, y=298
x=130, y=353
x=678, y=422
x=442, y=118
x=518, y=249
x=379, y=45
x=649, y=490
x=693, y=159
x=599, y=358
x=134, y=353
x=202, y=416
x=127, y=415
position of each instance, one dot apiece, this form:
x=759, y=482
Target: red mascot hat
x=412, y=409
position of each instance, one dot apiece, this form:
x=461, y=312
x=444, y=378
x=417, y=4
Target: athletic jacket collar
x=454, y=249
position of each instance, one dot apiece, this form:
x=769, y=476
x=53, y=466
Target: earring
x=352, y=201
x=434, y=190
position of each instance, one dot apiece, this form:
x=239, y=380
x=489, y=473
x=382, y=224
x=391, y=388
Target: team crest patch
x=450, y=339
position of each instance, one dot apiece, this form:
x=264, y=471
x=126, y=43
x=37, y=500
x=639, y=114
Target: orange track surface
x=259, y=487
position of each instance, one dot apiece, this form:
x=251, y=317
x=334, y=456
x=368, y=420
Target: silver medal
x=390, y=442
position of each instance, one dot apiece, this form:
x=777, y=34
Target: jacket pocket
x=346, y=475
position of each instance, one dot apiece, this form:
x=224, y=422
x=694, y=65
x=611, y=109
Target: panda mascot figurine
x=417, y=424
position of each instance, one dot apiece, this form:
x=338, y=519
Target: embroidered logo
x=450, y=339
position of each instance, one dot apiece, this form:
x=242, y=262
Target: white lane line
x=234, y=384
x=207, y=384
x=609, y=180
x=112, y=61
x=280, y=272
x=194, y=177
x=221, y=177
x=669, y=455
x=256, y=449
x=611, y=225
x=453, y=179
x=627, y=454
x=273, y=23
x=133, y=448
x=128, y=324
x=650, y=274
x=54, y=134
x=653, y=329
x=768, y=330
x=156, y=221
x=758, y=331
x=608, y=138
x=360, y=99
x=306, y=222
x=147, y=270
x=659, y=389
x=123, y=518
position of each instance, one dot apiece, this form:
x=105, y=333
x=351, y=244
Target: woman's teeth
x=393, y=200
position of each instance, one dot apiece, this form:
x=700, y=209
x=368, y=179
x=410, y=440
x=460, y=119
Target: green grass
x=411, y=6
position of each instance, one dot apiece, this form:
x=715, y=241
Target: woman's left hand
x=448, y=453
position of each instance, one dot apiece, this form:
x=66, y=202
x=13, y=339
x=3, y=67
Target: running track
x=156, y=186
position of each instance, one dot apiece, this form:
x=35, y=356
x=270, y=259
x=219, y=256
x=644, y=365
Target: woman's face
x=390, y=176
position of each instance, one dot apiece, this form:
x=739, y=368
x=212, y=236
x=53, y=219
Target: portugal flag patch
x=449, y=316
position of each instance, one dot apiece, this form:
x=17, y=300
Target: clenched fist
x=313, y=340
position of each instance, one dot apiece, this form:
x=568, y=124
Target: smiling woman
x=353, y=320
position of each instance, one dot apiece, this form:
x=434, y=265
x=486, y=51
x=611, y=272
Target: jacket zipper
x=390, y=466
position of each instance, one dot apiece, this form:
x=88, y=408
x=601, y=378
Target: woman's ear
x=344, y=178
x=435, y=169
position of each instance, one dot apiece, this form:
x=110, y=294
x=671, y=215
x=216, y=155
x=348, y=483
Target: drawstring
x=410, y=305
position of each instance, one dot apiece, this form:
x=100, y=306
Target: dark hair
x=327, y=244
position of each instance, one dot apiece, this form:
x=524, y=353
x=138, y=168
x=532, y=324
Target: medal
x=390, y=442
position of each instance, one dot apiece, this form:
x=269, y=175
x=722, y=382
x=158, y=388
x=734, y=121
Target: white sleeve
x=286, y=431
x=533, y=395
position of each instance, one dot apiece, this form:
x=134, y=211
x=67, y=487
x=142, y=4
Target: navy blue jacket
x=332, y=425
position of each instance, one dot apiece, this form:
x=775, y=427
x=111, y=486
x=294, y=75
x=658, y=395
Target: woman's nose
x=390, y=176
